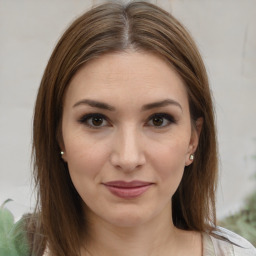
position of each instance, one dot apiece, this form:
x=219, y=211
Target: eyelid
x=164, y=115
x=168, y=117
x=84, y=119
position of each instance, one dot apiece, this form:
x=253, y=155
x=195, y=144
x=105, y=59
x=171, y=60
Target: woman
x=124, y=141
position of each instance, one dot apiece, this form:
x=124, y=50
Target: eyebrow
x=102, y=105
x=162, y=103
x=95, y=104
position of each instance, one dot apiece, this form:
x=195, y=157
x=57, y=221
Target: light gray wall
x=226, y=34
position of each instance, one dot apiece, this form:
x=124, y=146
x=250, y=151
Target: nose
x=128, y=150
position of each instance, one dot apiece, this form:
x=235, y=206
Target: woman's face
x=127, y=136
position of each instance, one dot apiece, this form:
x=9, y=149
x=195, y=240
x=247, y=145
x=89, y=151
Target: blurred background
x=225, y=32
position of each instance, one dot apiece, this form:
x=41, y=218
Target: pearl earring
x=191, y=157
x=62, y=153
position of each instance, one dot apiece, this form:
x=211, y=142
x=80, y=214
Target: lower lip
x=128, y=193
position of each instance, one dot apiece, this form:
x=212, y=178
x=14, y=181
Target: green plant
x=244, y=221
x=13, y=241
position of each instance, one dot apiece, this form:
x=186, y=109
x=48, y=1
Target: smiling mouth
x=127, y=190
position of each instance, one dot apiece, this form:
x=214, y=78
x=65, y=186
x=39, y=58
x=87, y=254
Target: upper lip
x=129, y=184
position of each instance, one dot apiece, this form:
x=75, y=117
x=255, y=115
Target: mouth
x=128, y=190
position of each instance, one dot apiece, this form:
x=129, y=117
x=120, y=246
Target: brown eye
x=97, y=121
x=157, y=121
x=160, y=120
x=94, y=120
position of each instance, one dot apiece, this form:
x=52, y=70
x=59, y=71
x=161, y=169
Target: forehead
x=127, y=74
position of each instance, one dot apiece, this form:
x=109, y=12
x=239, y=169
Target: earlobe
x=194, y=140
x=63, y=156
x=61, y=144
x=190, y=160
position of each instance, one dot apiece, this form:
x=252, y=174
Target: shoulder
x=227, y=241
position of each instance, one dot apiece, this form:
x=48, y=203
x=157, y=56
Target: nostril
x=128, y=163
x=127, y=152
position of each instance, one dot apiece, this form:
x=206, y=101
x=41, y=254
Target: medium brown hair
x=108, y=28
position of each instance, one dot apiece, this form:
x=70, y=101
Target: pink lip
x=127, y=190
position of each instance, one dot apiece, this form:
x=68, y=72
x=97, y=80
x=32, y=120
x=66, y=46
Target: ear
x=63, y=155
x=194, y=139
x=61, y=145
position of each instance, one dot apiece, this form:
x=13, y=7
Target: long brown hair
x=114, y=27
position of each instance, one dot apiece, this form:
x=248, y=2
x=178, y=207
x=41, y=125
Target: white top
x=215, y=247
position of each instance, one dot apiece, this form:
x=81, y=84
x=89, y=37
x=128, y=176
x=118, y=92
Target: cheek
x=85, y=159
x=85, y=163
x=169, y=162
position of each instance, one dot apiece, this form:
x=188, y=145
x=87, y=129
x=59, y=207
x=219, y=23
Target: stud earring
x=191, y=157
x=62, y=153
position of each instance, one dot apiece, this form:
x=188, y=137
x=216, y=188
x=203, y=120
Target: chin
x=128, y=218
x=127, y=222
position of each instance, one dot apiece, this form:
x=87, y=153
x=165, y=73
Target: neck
x=157, y=237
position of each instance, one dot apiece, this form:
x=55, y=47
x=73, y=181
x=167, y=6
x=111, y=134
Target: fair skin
x=126, y=118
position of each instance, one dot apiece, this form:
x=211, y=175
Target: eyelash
x=170, y=119
x=85, y=119
x=88, y=117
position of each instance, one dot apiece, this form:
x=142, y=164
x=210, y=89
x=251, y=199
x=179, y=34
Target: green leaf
x=13, y=237
x=244, y=221
x=8, y=252
x=6, y=224
x=19, y=238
